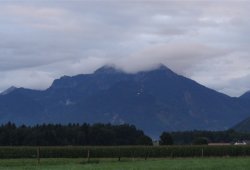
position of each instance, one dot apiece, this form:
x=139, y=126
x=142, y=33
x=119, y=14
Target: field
x=117, y=152
x=224, y=163
x=125, y=158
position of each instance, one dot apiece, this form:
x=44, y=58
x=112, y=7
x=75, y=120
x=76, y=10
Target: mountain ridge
x=243, y=126
x=155, y=100
x=246, y=95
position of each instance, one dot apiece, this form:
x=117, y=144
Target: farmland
x=125, y=157
x=119, y=152
x=223, y=163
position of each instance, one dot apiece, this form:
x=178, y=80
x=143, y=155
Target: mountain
x=246, y=95
x=155, y=101
x=9, y=90
x=243, y=126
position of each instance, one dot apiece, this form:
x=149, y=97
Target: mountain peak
x=9, y=90
x=165, y=100
x=163, y=67
x=108, y=69
x=112, y=69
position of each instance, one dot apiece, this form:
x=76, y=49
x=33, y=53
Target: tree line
x=204, y=137
x=72, y=134
x=106, y=135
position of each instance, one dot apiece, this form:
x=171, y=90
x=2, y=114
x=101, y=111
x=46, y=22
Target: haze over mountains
x=155, y=101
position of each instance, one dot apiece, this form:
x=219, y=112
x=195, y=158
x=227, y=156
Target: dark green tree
x=144, y=140
x=71, y=134
x=200, y=141
x=166, y=139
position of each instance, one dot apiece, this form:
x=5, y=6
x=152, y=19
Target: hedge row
x=126, y=151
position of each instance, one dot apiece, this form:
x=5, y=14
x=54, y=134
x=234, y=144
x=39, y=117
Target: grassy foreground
x=240, y=163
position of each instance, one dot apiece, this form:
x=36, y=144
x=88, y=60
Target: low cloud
x=181, y=57
x=203, y=40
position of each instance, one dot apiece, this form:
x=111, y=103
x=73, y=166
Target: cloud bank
x=203, y=40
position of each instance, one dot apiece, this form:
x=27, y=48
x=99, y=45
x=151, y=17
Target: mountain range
x=155, y=101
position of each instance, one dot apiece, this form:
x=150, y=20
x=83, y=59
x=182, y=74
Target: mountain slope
x=246, y=95
x=243, y=126
x=153, y=100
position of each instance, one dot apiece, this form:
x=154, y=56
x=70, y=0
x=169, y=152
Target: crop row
x=125, y=151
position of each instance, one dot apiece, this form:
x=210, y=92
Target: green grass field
x=241, y=163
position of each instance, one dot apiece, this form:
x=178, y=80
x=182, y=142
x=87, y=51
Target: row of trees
x=105, y=135
x=72, y=134
x=202, y=137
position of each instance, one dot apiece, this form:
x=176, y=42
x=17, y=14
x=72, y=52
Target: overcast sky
x=207, y=41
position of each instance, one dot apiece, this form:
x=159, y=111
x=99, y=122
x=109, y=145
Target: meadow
x=125, y=158
x=214, y=163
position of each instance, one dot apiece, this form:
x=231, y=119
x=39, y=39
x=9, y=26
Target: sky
x=207, y=41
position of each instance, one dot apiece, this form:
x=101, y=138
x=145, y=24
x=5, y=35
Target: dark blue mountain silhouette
x=155, y=101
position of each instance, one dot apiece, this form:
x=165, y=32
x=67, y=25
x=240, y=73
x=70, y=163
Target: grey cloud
x=235, y=86
x=204, y=40
x=26, y=78
x=225, y=73
x=178, y=56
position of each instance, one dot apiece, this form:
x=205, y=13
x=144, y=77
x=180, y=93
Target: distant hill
x=243, y=126
x=155, y=101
